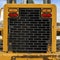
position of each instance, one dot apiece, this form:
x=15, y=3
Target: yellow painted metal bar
x=54, y=33
x=36, y=56
x=5, y=31
x=29, y=55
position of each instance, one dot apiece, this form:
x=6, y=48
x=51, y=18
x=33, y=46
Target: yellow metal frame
x=5, y=28
x=18, y=56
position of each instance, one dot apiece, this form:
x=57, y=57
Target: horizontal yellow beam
x=30, y=55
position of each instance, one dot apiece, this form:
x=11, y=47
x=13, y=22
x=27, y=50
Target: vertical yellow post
x=5, y=30
x=54, y=29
